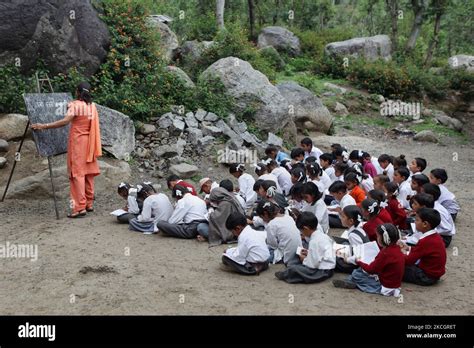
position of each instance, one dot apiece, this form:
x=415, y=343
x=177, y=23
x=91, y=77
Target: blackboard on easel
x=48, y=108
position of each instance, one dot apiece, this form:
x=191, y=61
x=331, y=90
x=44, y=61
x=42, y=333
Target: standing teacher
x=84, y=146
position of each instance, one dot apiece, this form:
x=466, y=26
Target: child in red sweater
x=426, y=261
x=384, y=274
x=352, y=181
x=370, y=212
x=398, y=214
x=380, y=197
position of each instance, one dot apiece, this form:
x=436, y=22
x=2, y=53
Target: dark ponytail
x=84, y=90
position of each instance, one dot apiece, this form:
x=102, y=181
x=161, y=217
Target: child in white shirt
x=447, y=199
x=251, y=255
x=246, y=182
x=315, y=264
x=341, y=199
x=126, y=191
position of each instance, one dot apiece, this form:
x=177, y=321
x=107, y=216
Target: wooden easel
x=40, y=83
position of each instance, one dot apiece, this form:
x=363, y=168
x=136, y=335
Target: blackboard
x=48, y=108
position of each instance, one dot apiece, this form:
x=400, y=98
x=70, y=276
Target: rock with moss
x=370, y=48
x=281, y=39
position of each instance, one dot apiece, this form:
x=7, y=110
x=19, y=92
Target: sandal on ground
x=90, y=209
x=77, y=215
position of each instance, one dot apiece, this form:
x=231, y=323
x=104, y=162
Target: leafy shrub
x=13, y=86
x=313, y=42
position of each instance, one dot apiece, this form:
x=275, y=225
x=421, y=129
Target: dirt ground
x=96, y=266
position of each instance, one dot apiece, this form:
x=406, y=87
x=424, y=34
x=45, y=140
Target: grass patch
x=436, y=128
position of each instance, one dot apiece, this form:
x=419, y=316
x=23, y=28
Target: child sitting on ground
x=384, y=274
x=341, y=200
x=381, y=199
x=425, y=262
x=447, y=199
x=314, y=264
x=370, y=212
x=126, y=191
x=398, y=214
x=251, y=255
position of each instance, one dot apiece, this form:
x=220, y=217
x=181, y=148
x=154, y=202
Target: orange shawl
x=94, y=146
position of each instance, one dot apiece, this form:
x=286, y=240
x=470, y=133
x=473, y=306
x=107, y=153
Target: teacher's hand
x=38, y=126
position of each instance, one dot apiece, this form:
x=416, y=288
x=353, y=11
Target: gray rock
x=200, y=115
x=447, y=121
x=205, y=142
x=279, y=38
x=180, y=145
x=328, y=94
x=191, y=51
x=379, y=98
x=4, y=145
x=166, y=120
x=340, y=109
x=274, y=140
x=211, y=117
x=3, y=162
x=180, y=74
x=238, y=127
x=117, y=132
x=161, y=133
x=191, y=121
x=251, y=89
x=146, y=129
x=168, y=39
x=177, y=127
x=426, y=136
x=194, y=134
x=371, y=48
x=62, y=34
x=271, y=54
x=308, y=110
x=251, y=139
x=142, y=153
x=184, y=170
x=211, y=130
x=426, y=112
x=235, y=139
x=335, y=88
x=166, y=151
x=462, y=61
x=12, y=126
x=39, y=185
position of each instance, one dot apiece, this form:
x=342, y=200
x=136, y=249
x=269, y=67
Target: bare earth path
x=95, y=266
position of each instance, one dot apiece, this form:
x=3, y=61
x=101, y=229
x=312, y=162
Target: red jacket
x=384, y=215
x=358, y=194
x=389, y=265
x=398, y=214
x=370, y=227
x=431, y=252
x=190, y=187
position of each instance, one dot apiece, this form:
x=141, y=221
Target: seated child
x=190, y=211
x=229, y=186
x=174, y=180
x=325, y=161
x=156, y=206
x=298, y=175
x=282, y=175
x=384, y=274
x=246, y=182
x=417, y=166
x=368, y=165
x=352, y=181
x=283, y=238
x=400, y=177
x=381, y=199
x=314, y=264
x=351, y=217
x=379, y=181
x=418, y=201
x=446, y=228
x=341, y=200
x=370, y=212
x=126, y=191
x=425, y=262
x=447, y=199
x=385, y=162
x=309, y=150
x=314, y=198
x=297, y=157
x=251, y=255
x=262, y=171
x=398, y=214
x=417, y=182
x=275, y=154
x=297, y=202
x=318, y=176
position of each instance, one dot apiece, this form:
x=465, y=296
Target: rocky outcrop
x=60, y=33
x=281, y=39
x=168, y=39
x=370, y=48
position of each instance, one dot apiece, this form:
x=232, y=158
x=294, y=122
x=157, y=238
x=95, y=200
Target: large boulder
x=308, y=110
x=279, y=38
x=60, y=33
x=39, y=185
x=12, y=126
x=191, y=51
x=117, y=132
x=181, y=75
x=169, y=40
x=251, y=90
x=462, y=61
x=370, y=48
x=184, y=170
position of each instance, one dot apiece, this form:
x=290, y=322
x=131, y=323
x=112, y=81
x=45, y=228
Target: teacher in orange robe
x=84, y=146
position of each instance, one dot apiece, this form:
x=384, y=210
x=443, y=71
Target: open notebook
x=366, y=252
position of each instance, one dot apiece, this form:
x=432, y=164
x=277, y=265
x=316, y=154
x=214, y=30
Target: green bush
x=313, y=42
x=462, y=81
x=13, y=86
x=331, y=66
